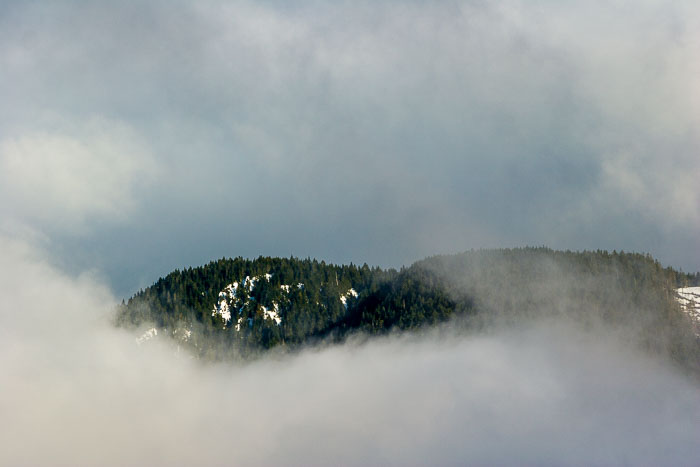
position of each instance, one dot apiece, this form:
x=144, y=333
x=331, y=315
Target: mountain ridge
x=240, y=308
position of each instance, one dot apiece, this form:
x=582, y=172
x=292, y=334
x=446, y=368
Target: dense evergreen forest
x=241, y=307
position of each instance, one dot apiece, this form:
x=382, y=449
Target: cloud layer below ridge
x=78, y=391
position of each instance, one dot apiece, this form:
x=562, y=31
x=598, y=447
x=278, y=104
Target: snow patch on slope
x=689, y=299
x=222, y=308
x=180, y=334
x=229, y=299
x=232, y=303
x=272, y=314
x=344, y=297
x=146, y=336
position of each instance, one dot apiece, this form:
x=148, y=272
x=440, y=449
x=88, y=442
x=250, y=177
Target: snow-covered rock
x=229, y=300
x=272, y=314
x=146, y=336
x=180, y=334
x=344, y=297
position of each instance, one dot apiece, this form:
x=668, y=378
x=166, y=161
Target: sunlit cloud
x=61, y=179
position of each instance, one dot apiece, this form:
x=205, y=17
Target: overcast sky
x=137, y=137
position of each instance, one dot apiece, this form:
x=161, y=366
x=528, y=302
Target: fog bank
x=77, y=391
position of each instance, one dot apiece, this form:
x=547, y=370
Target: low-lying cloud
x=78, y=391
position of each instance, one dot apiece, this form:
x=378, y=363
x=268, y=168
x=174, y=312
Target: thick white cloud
x=77, y=391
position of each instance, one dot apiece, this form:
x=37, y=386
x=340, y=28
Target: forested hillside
x=241, y=307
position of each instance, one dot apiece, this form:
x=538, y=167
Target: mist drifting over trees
x=546, y=392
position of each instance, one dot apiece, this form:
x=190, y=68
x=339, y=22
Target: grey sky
x=140, y=137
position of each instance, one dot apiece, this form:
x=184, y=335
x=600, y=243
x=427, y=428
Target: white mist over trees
x=78, y=391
